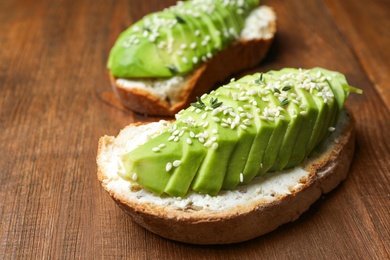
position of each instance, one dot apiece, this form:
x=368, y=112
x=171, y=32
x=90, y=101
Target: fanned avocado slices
x=176, y=40
x=260, y=123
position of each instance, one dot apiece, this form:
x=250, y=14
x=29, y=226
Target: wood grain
x=55, y=103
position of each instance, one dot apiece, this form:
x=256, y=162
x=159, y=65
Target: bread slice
x=231, y=216
x=165, y=97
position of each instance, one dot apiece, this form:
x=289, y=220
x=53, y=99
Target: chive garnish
x=286, y=88
x=179, y=19
x=172, y=69
x=214, y=103
x=198, y=104
x=260, y=79
x=284, y=102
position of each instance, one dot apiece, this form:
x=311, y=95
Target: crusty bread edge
x=240, y=55
x=254, y=219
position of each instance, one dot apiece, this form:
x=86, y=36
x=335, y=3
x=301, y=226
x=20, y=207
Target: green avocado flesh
x=260, y=123
x=176, y=40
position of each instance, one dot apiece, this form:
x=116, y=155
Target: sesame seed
x=214, y=146
x=216, y=119
x=195, y=60
x=189, y=141
x=192, y=134
x=214, y=131
x=243, y=127
x=134, y=177
x=171, y=138
x=304, y=113
x=176, y=139
x=155, y=149
x=184, y=59
x=161, y=145
x=193, y=45
x=183, y=46
x=331, y=129
x=168, y=167
x=176, y=163
x=241, y=177
x=208, y=143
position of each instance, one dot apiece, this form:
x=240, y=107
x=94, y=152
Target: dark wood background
x=55, y=103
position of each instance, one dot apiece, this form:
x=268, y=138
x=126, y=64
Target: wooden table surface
x=56, y=101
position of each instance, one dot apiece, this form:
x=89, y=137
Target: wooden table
x=55, y=103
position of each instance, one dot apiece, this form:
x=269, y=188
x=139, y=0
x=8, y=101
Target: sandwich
x=239, y=162
x=162, y=62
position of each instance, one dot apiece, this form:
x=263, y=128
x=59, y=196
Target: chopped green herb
x=214, y=103
x=179, y=19
x=284, y=102
x=172, y=69
x=260, y=79
x=286, y=88
x=199, y=104
x=276, y=90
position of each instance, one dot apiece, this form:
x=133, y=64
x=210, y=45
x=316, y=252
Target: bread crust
x=251, y=219
x=240, y=55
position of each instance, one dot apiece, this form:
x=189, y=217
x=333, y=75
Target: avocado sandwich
x=162, y=62
x=242, y=160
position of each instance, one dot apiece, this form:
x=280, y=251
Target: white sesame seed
x=189, y=141
x=195, y=60
x=208, y=143
x=304, y=113
x=243, y=127
x=331, y=129
x=168, y=167
x=214, y=146
x=134, y=177
x=155, y=149
x=192, y=134
x=224, y=125
x=216, y=119
x=171, y=138
x=241, y=177
x=183, y=46
x=193, y=45
x=201, y=139
x=176, y=163
x=214, y=131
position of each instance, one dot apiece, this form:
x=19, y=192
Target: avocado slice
x=181, y=179
x=161, y=153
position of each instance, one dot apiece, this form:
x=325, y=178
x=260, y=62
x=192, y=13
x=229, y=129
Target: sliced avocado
x=309, y=113
x=211, y=174
x=145, y=163
x=181, y=179
x=154, y=46
x=243, y=129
